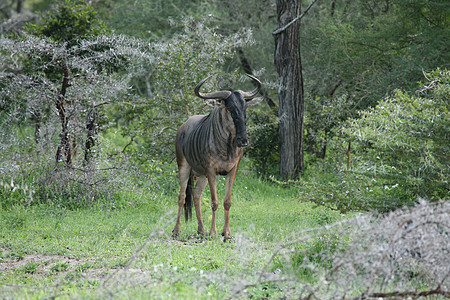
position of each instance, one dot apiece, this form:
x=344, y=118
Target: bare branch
x=165, y=128
x=280, y=30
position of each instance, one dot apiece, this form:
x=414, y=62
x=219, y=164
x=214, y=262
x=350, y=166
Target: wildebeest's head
x=236, y=104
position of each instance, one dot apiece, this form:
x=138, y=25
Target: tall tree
x=69, y=62
x=68, y=25
x=290, y=91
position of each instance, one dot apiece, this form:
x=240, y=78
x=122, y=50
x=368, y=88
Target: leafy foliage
x=322, y=120
x=387, y=157
x=72, y=21
x=264, y=152
x=348, y=190
x=167, y=83
x=371, y=48
x=405, y=138
x=73, y=74
x=361, y=51
x=150, y=19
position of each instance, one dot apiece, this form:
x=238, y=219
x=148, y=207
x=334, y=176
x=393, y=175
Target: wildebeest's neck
x=221, y=134
x=221, y=124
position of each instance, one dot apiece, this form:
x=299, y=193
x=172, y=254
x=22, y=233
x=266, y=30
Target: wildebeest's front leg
x=214, y=202
x=227, y=202
x=198, y=191
x=183, y=175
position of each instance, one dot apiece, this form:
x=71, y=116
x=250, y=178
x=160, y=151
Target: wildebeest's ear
x=255, y=101
x=214, y=102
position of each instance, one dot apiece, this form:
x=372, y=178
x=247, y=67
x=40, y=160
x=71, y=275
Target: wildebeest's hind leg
x=198, y=191
x=184, y=172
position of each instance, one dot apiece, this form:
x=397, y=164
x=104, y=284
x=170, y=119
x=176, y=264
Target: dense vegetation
x=91, y=94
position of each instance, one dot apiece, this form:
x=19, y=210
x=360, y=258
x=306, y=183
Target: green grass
x=91, y=253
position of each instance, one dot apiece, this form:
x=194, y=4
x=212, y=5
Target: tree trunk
x=92, y=131
x=64, y=151
x=19, y=6
x=290, y=91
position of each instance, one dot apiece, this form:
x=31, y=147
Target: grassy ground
x=129, y=253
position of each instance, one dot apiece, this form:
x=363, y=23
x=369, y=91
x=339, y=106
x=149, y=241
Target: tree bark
x=92, y=131
x=64, y=148
x=290, y=92
x=19, y=6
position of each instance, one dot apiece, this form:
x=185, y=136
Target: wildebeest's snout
x=242, y=141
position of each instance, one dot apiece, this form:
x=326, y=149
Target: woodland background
x=92, y=93
x=88, y=88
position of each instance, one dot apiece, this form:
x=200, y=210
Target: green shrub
x=323, y=116
x=351, y=190
x=404, y=141
x=72, y=190
x=70, y=22
x=264, y=151
x=399, y=152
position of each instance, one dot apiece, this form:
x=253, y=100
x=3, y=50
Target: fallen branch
x=405, y=294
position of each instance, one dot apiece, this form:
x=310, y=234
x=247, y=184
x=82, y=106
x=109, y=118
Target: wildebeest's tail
x=188, y=200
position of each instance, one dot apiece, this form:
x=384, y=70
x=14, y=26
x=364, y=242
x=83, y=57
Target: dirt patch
x=40, y=264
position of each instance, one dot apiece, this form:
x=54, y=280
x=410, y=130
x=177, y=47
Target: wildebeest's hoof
x=201, y=231
x=227, y=239
x=226, y=234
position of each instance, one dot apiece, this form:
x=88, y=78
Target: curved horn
x=250, y=95
x=214, y=95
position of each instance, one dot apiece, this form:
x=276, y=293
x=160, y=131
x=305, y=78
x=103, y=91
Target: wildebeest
x=207, y=145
